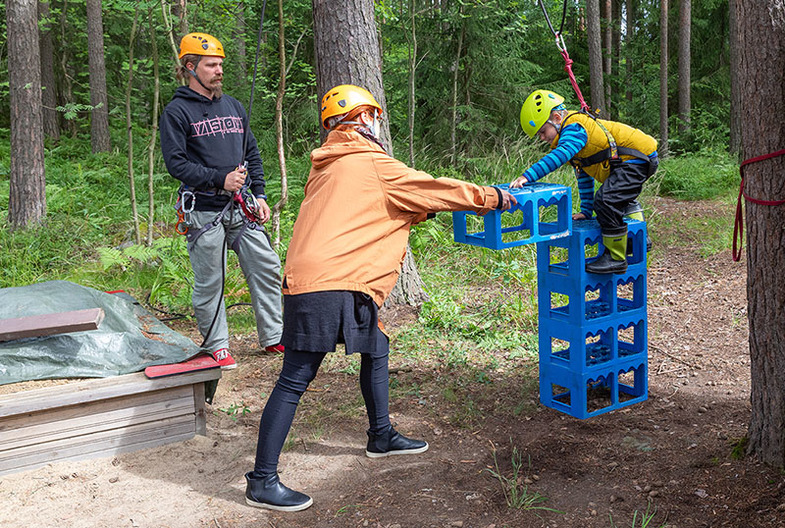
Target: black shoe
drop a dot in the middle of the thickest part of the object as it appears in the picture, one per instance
(393, 443)
(268, 492)
(606, 264)
(648, 245)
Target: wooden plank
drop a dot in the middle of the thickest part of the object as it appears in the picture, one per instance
(17, 432)
(200, 409)
(152, 433)
(95, 390)
(50, 324)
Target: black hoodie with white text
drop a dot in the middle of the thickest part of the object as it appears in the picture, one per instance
(202, 142)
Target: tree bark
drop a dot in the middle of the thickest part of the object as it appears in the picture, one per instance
(685, 28)
(27, 199)
(239, 37)
(99, 123)
(154, 126)
(593, 36)
(129, 126)
(735, 83)
(66, 92)
(455, 74)
(347, 52)
(631, 20)
(275, 220)
(49, 94)
(607, 54)
(663, 146)
(615, 65)
(412, 73)
(761, 45)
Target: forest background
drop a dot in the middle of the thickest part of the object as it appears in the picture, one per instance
(455, 74)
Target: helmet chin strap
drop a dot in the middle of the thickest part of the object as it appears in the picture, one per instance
(193, 73)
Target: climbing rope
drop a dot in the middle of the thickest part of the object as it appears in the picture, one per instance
(738, 225)
(562, 47)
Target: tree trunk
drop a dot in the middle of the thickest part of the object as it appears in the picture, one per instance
(607, 54)
(663, 147)
(594, 39)
(630, 49)
(347, 52)
(239, 38)
(281, 203)
(129, 126)
(685, 27)
(49, 94)
(99, 123)
(168, 24)
(27, 199)
(66, 92)
(735, 83)
(616, 47)
(455, 74)
(412, 72)
(180, 12)
(154, 133)
(761, 45)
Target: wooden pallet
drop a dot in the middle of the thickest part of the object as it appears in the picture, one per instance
(100, 417)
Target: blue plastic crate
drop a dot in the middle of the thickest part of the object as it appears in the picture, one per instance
(530, 229)
(620, 384)
(587, 347)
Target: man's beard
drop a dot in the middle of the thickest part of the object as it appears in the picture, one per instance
(217, 87)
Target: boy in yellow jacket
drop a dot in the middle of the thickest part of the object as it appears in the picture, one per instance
(344, 258)
(618, 156)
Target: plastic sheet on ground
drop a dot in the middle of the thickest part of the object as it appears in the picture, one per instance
(128, 339)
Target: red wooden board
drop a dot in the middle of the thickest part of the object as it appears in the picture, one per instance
(200, 362)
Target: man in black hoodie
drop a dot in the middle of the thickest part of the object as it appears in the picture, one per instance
(203, 133)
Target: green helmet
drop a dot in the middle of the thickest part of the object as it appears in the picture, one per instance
(536, 110)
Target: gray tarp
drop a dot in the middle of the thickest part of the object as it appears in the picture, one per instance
(128, 339)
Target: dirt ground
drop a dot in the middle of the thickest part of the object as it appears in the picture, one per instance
(671, 454)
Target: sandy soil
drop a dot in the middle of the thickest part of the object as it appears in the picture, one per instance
(671, 454)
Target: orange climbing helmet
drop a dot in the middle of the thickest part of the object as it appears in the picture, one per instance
(343, 99)
(200, 44)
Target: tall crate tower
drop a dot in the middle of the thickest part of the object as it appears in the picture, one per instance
(592, 328)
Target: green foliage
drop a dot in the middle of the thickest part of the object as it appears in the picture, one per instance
(703, 175)
(646, 518)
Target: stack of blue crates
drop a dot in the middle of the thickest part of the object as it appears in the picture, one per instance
(532, 198)
(593, 328)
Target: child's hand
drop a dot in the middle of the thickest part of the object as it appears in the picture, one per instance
(579, 216)
(519, 182)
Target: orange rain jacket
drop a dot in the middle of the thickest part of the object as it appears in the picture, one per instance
(353, 226)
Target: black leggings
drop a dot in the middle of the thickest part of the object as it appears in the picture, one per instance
(298, 371)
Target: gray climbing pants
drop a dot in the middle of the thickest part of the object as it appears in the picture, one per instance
(261, 267)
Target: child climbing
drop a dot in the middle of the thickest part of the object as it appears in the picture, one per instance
(618, 156)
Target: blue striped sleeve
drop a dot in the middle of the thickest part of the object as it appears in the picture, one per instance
(572, 139)
(586, 192)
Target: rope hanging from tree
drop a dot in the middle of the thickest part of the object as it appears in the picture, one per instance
(738, 225)
(562, 47)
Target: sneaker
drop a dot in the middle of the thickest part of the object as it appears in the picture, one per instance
(277, 349)
(269, 493)
(393, 443)
(224, 359)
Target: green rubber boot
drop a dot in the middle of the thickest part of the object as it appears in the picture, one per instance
(614, 258)
(635, 212)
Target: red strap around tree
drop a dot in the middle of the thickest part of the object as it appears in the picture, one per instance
(738, 225)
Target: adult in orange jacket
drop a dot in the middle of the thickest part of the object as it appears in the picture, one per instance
(343, 260)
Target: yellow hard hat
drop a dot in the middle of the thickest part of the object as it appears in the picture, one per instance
(200, 44)
(343, 99)
(536, 110)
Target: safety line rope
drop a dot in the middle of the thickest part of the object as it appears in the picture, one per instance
(738, 224)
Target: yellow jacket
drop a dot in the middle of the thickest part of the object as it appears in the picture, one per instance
(353, 226)
(625, 136)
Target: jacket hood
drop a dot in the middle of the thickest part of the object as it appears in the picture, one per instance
(340, 143)
(184, 92)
